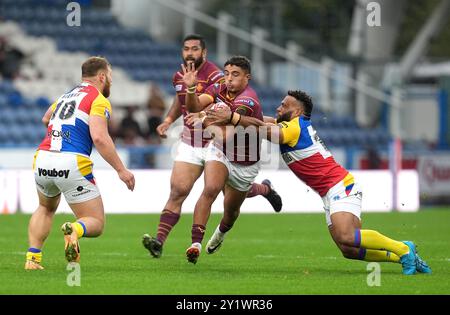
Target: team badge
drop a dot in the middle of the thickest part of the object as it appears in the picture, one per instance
(107, 114)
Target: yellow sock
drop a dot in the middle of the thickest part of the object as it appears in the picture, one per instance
(378, 255)
(370, 239)
(34, 255)
(79, 228)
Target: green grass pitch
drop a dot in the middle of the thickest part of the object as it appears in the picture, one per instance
(263, 254)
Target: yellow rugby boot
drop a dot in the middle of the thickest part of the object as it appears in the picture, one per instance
(71, 245)
(34, 259)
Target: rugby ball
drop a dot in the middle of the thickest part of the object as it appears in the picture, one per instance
(218, 106)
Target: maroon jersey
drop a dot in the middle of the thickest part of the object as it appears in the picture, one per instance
(208, 74)
(247, 146)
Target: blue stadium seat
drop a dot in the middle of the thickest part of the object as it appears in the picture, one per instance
(3, 100)
(28, 102)
(7, 87)
(11, 2)
(359, 138)
(36, 115)
(15, 99)
(325, 135)
(42, 102)
(15, 134)
(7, 116)
(22, 116)
(382, 136)
(3, 135)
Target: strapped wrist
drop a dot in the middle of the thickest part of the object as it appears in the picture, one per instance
(239, 120)
(191, 90)
(231, 117)
(236, 118)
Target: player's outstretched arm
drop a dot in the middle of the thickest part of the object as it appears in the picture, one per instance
(271, 120)
(98, 127)
(267, 128)
(174, 114)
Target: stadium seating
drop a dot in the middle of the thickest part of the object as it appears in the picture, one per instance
(57, 50)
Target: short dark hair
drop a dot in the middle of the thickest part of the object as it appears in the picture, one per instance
(195, 37)
(239, 61)
(305, 100)
(93, 65)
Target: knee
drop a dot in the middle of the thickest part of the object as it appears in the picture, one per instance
(210, 192)
(93, 226)
(348, 252)
(48, 209)
(346, 239)
(101, 228)
(179, 192)
(232, 212)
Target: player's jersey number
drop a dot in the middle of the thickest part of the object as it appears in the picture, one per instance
(65, 109)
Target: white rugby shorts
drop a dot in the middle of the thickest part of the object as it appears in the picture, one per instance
(345, 196)
(189, 154)
(241, 177)
(67, 173)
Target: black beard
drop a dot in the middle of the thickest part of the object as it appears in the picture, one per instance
(284, 117)
(197, 62)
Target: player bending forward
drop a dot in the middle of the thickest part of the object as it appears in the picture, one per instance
(309, 159)
(61, 164)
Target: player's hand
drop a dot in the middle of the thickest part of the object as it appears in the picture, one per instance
(195, 118)
(162, 128)
(189, 74)
(127, 177)
(219, 116)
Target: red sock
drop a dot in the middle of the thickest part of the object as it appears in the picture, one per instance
(167, 221)
(258, 189)
(198, 231)
(224, 227)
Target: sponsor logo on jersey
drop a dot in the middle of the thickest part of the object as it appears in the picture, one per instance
(53, 173)
(287, 158)
(58, 134)
(246, 101)
(242, 110)
(178, 87)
